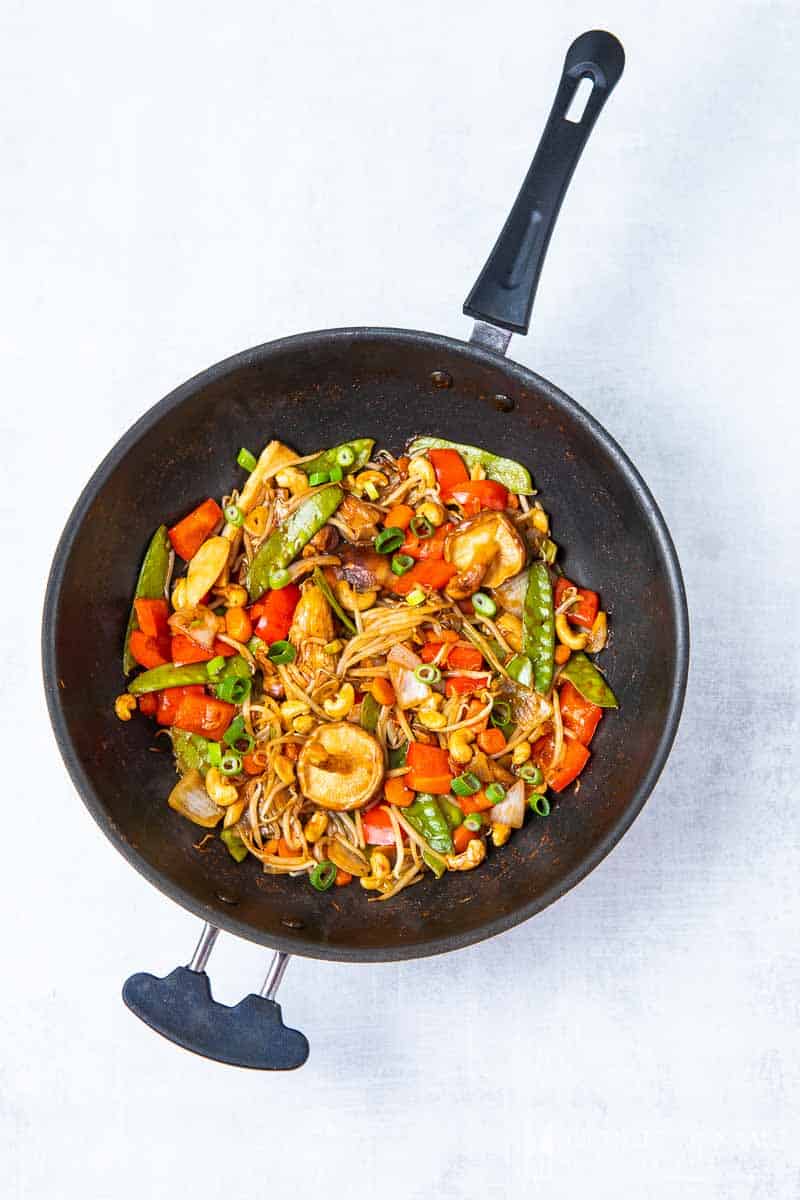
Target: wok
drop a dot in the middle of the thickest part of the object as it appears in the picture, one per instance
(313, 390)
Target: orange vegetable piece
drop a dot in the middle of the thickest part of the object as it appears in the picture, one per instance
(399, 517)
(491, 741)
(189, 534)
(397, 791)
(462, 838)
(342, 878)
(383, 691)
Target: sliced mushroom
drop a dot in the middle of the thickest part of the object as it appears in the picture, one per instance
(357, 519)
(490, 541)
(312, 619)
(340, 767)
(365, 570)
(511, 594)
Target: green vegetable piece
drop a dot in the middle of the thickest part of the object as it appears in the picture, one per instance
(496, 793)
(520, 669)
(504, 470)
(427, 818)
(539, 627)
(285, 543)
(325, 462)
(370, 711)
(191, 751)
(150, 585)
(452, 813)
(548, 550)
(234, 844)
(397, 757)
(168, 676)
(324, 587)
(281, 652)
(436, 864)
(539, 804)
(584, 675)
(323, 875)
(235, 668)
(466, 784)
(246, 460)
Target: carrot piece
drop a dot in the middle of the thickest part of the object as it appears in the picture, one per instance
(149, 651)
(399, 517)
(285, 850)
(238, 625)
(397, 791)
(271, 847)
(402, 464)
(433, 573)
(152, 616)
(462, 685)
(562, 654)
(342, 878)
(429, 769)
(464, 657)
(476, 803)
(189, 534)
(462, 838)
(255, 763)
(491, 741)
(383, 691)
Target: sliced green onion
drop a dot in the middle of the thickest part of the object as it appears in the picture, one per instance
(421, 526)
(235, 731)
(214, 754)
(233, 514)
(281, 652)
(401, 563)
(397, 756)
(389, 539)
(371, 490)
(473, 821)
(495, 792)
(521, 669)
(236, 847)
(278, 578)
(345, 456)
(466, 784)
(336, 474)
(323, 876)
(318, 477)
(215, 665)
(501, 714)
(246, 460)
(415, 597)
(428, 673)
(540, 805)
(255, 643)
(235, 689)
(548, 550)
(231, 763)
(530, 774)
(484, 604)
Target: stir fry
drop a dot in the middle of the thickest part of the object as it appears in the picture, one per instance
(370, 667)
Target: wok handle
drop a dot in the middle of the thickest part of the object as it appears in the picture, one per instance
(505, 289)
(181, 1008)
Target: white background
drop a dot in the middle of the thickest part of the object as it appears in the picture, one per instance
(184, 180)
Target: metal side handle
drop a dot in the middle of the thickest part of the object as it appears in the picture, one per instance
(249, 1034)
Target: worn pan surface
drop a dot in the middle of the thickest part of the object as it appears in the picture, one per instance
(318, 389)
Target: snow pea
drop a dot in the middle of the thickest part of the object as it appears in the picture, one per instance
(427, 818)
(436, 864)
(370, 711)
(169, 675)
(234, 844)
(504, 470)
(150, 585)
(452, 813)
(584, 675)
(328, 459)
(284, 544)
(539, 627)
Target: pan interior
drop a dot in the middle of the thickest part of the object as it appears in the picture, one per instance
(313, 391)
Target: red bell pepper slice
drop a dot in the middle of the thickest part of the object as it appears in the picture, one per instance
(463, 685)
(204, 715)
(433, 573)
(152, 616)
(148, 704)
(585, 611)
(429, 769)
(460, 656)
(479, 494)
(169, 701)
(450, 469)
(425, 548)
(573, 760)
(149, 651)
(578, 714)
(272, 614)
(184, 650)
(189, 534)
(377, 824)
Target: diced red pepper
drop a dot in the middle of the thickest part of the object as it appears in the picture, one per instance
(272, 614)
(204, 715)
(462, 685)
(377, 824)
(148, 704)
(573, 760)
(149, 651)
(184, 650)
(585, 611)
(433, 573)
(479, 494)
(429, 547)
(450, 469)
(460, 656)
(189, 534)
(152, 616)
(429, 769)
(169, 701)
(578, 714)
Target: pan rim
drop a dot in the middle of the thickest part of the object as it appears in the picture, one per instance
(297, 943)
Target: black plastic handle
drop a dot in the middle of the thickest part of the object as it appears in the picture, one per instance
(504, 291)
(181, 1008)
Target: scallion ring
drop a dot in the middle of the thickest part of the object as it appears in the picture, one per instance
(246, 460)
(484, 605)
(233, 514)
(281, 652)
(415, 597)
(473, 821)
(540, 805)
(428, 673)
(230, 763)
(389, 539)
(401, 563)
(495, 792)
(466, 784)
(531, 774)
(235, 690)
(501, 714)
(421, 526)
(323, 875)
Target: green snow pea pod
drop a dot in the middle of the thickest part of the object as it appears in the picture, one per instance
(504, 470)
(452, 813)
(150, 585)
(426, 817)
(284, 544)
(234, 844)
(338, 456)
(584, 675)
(436, 864)
(539, 627)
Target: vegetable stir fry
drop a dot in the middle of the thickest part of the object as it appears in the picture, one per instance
(370, 666)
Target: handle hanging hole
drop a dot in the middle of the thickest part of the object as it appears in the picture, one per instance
(580, 98)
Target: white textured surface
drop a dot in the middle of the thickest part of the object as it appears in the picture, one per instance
(182, 181)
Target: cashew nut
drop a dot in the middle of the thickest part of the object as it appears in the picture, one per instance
(340, 705)
(567, 636)
(421, 470)
(473, 856)
(354, 601)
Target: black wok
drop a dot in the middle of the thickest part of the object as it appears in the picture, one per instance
(313, 390)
